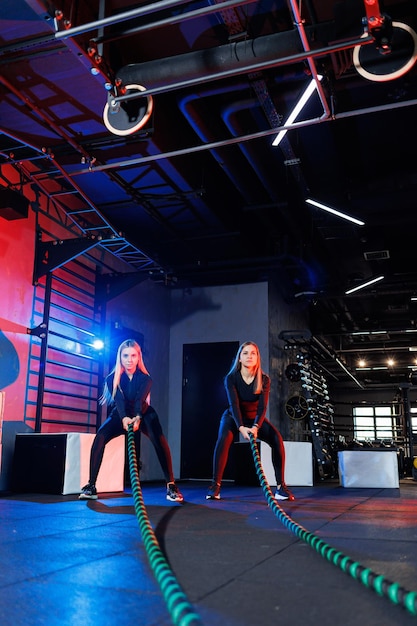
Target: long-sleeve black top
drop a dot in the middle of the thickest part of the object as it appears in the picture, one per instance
(131, 395)
(244, 404)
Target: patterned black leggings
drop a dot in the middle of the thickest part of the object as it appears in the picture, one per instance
(228, 432)
(149, 426)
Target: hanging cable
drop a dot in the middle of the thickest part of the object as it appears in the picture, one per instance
(382, 586)
(180, 609)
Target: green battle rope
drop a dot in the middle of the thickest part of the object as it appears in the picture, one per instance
(179, 608)
(382, 586)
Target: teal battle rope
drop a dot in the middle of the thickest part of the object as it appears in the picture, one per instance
(382, 586)
(179, 608)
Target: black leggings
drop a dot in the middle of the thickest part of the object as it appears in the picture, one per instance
(227, 433)
(149, 426)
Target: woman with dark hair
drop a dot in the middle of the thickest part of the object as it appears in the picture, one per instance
(127, 389)
(247, 389)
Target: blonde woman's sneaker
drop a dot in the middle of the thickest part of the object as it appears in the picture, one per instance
(173, 493)
(89, 492)
(213, 492)
(283, 493)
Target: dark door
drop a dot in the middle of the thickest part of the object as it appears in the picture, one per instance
(203, 402)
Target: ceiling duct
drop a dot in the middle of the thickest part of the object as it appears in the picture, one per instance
(237, 57)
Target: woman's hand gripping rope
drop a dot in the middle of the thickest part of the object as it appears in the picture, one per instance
(246, 432)
(135, 421)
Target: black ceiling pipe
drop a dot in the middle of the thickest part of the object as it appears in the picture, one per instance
(241, 55)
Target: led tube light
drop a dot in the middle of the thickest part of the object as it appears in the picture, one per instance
(319, 205)
(311, 87)
(369, 282)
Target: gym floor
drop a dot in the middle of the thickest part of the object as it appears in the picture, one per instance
(68, 562)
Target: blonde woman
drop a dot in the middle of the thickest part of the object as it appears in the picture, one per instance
(127, 390)
(247, 389)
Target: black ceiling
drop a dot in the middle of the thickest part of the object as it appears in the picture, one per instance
(198, 193)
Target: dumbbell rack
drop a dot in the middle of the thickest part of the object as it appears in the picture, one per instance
(310, 375)
(319, 415)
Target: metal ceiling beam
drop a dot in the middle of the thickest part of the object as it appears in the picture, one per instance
(248, 137)
(66, 33)
(70, 32)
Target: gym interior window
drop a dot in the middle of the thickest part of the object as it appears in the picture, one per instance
(374, 423)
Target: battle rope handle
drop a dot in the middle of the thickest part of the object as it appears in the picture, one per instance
(181, 611)
(382, 586)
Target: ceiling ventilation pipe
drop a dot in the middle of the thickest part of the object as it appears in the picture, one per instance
(238, 57)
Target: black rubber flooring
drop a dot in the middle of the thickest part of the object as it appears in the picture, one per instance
(69, 562)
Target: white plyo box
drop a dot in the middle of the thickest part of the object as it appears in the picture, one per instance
(298, 469)
(368, 468)
(77, 464)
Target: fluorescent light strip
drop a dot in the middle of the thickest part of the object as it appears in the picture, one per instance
(319, 205)
(384, 332)
(370, 332)
(297, 109)
(370, 282)
(370, 369)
